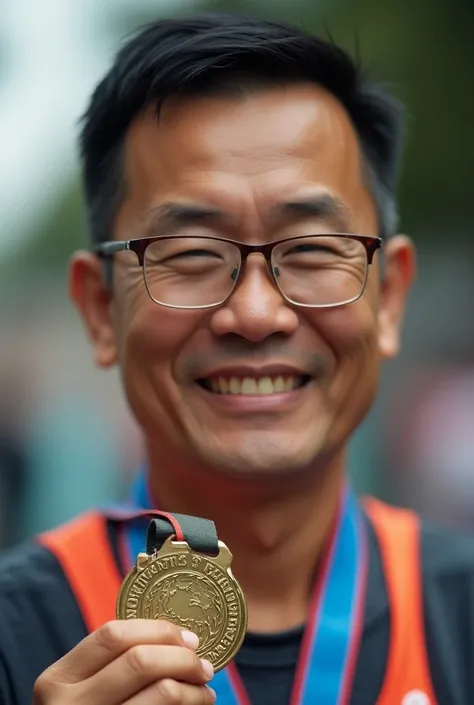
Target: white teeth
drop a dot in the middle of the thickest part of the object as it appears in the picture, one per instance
(254, 386)
(279, 384)
(234, 385)
(248, 386)
(265, 386)
(288, 384)
(223, 386)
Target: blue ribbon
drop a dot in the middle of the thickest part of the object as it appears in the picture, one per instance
(331, 635)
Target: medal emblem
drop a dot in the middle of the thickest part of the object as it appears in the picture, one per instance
(195, 591)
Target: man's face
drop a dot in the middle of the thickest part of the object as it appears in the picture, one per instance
(192, 377)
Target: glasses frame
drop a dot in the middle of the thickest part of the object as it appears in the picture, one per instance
(139, 246)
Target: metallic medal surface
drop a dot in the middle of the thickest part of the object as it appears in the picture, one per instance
(193, 590)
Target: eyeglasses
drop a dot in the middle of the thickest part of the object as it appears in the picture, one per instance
(193, 272)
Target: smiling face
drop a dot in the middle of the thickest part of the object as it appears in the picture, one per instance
(255, 385)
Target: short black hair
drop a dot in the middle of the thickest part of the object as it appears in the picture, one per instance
(226, 52)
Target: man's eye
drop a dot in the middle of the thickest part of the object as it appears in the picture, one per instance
(193, 253)
(308, 248)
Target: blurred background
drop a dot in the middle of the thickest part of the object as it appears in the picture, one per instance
(67, 441)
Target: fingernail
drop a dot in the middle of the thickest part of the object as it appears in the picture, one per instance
(212, 693)
(208, 668)
(191, 640)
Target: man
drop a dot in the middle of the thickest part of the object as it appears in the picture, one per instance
(239, 179)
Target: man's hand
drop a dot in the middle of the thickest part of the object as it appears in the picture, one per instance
(134, 662)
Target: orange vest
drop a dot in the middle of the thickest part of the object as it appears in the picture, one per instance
(82, 549)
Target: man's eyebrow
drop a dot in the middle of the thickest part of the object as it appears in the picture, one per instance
(318, 206)
(175, 215)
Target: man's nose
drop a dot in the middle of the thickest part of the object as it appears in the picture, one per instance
(256, 309)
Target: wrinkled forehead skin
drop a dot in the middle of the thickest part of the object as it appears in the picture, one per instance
(245, 155)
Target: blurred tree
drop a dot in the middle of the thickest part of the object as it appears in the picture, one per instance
(65, 230)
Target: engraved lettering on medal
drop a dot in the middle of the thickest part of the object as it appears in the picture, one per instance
(168, 562)
(132, 607)
(225, 585)
(213, 572)
(231, 629)
(141, 582)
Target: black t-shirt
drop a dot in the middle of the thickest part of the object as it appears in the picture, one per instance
(40, 621)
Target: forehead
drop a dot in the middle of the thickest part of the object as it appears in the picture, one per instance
(243, 154)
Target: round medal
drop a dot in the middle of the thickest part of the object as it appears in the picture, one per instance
(193, 590)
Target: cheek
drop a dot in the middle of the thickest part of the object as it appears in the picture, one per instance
(351, 333)
(151, 339)
(349, 330)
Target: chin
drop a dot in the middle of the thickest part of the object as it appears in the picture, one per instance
(262, 457)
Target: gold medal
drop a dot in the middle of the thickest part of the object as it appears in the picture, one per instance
(193, 590)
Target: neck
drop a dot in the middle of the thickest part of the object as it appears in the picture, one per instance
(277, 538)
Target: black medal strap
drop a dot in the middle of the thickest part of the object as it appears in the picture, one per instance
(199, 534)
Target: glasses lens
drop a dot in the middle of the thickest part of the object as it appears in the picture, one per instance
(191, 272)
(322, 270)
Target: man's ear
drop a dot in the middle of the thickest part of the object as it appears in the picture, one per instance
(398, 274)
(92, 297)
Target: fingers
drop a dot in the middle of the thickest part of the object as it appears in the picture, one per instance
(109, 642)
(140, 667)
(169, 692)
(129, 662)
